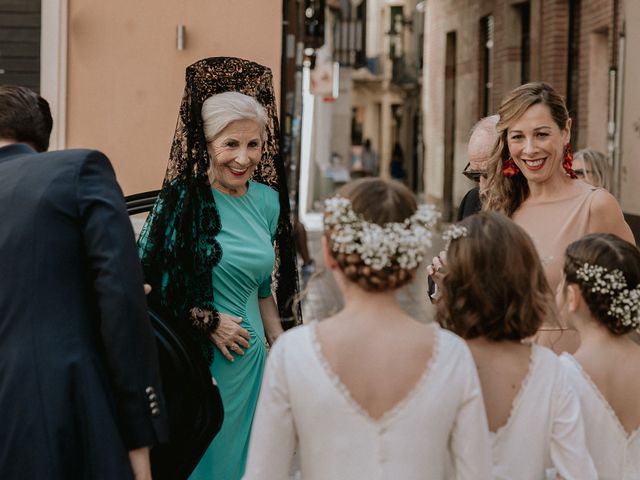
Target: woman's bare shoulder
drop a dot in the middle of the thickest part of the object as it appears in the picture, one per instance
(605, 216)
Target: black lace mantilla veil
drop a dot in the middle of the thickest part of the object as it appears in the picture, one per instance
(178, 246)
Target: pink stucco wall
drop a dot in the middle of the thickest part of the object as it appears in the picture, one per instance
(126, 77)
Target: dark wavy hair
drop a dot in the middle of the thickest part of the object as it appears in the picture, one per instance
(608, 251)
(495, 286)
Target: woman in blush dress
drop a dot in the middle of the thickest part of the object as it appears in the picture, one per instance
(370, 392)
(600, 297)
(494, 295)
(532, 181)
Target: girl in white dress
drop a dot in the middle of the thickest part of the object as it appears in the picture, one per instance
(495, 295)
(371, 393)
(600, 297)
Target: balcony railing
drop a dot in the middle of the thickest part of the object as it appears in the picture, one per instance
(405, 72)
(349, 36)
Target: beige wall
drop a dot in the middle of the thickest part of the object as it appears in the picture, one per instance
(442, 17)
(629, 192)
(126, 77)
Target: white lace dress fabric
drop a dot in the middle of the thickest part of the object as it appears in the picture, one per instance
(615, 453)
(437, 432)
(544, 434)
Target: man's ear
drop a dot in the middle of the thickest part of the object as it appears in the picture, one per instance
(328, 257)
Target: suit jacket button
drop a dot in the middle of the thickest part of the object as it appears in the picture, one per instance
(155, 412)
(152, 396)
(149, 390)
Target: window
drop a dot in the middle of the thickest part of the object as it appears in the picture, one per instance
(349, 35)
(486, 65)
(573, 67)
(20, 43)
(524, 9)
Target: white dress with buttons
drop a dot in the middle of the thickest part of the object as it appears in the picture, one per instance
(545, 431)
(437, 432)
(615, 452)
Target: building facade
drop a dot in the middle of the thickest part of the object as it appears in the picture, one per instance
(476, 51)
(114, 71)
(375, 47)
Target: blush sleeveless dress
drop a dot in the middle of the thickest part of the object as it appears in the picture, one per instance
(553, 225)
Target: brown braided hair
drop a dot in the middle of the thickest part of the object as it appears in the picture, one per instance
(378, 201)
(608, 251)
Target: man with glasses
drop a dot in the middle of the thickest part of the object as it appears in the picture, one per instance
(481, 142)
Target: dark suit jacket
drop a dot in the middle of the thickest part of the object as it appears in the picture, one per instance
(470, 204)
(79, 383)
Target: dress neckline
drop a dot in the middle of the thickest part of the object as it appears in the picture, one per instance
(603, 400)
(515, 405)
(578, 195)
(228, 195)
(388, 416)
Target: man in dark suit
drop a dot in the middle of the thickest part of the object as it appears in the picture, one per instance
(483, 138)
(80, 394)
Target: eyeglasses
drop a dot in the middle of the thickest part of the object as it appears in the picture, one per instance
(473, 175)
(580, 172)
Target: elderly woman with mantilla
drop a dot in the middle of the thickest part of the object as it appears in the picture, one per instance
(208, 246)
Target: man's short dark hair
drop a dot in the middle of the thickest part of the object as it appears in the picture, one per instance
(25, 117)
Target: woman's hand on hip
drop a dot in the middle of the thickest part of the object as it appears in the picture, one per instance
(230, 336)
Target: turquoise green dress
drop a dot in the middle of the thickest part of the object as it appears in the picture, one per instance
(242, 276)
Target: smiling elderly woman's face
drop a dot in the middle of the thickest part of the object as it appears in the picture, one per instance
(235, 152)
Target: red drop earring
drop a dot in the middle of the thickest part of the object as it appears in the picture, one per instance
(568, 161)
(509, 168)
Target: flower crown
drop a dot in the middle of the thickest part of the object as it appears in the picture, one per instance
(625, 302)
(404, 243)
(454, 232)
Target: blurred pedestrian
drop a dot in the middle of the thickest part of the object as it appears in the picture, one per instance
(208, 246)
(396, 166)
(600, 297)
(369, 159)
(593, 167)
(371, 392)
(495, 295)
(80, 395)
(481, 143)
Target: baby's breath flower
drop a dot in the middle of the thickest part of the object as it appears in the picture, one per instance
(454, 232)
(380, 246)
(625, 302)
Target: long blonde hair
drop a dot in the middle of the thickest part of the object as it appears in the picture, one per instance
(506, 194)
